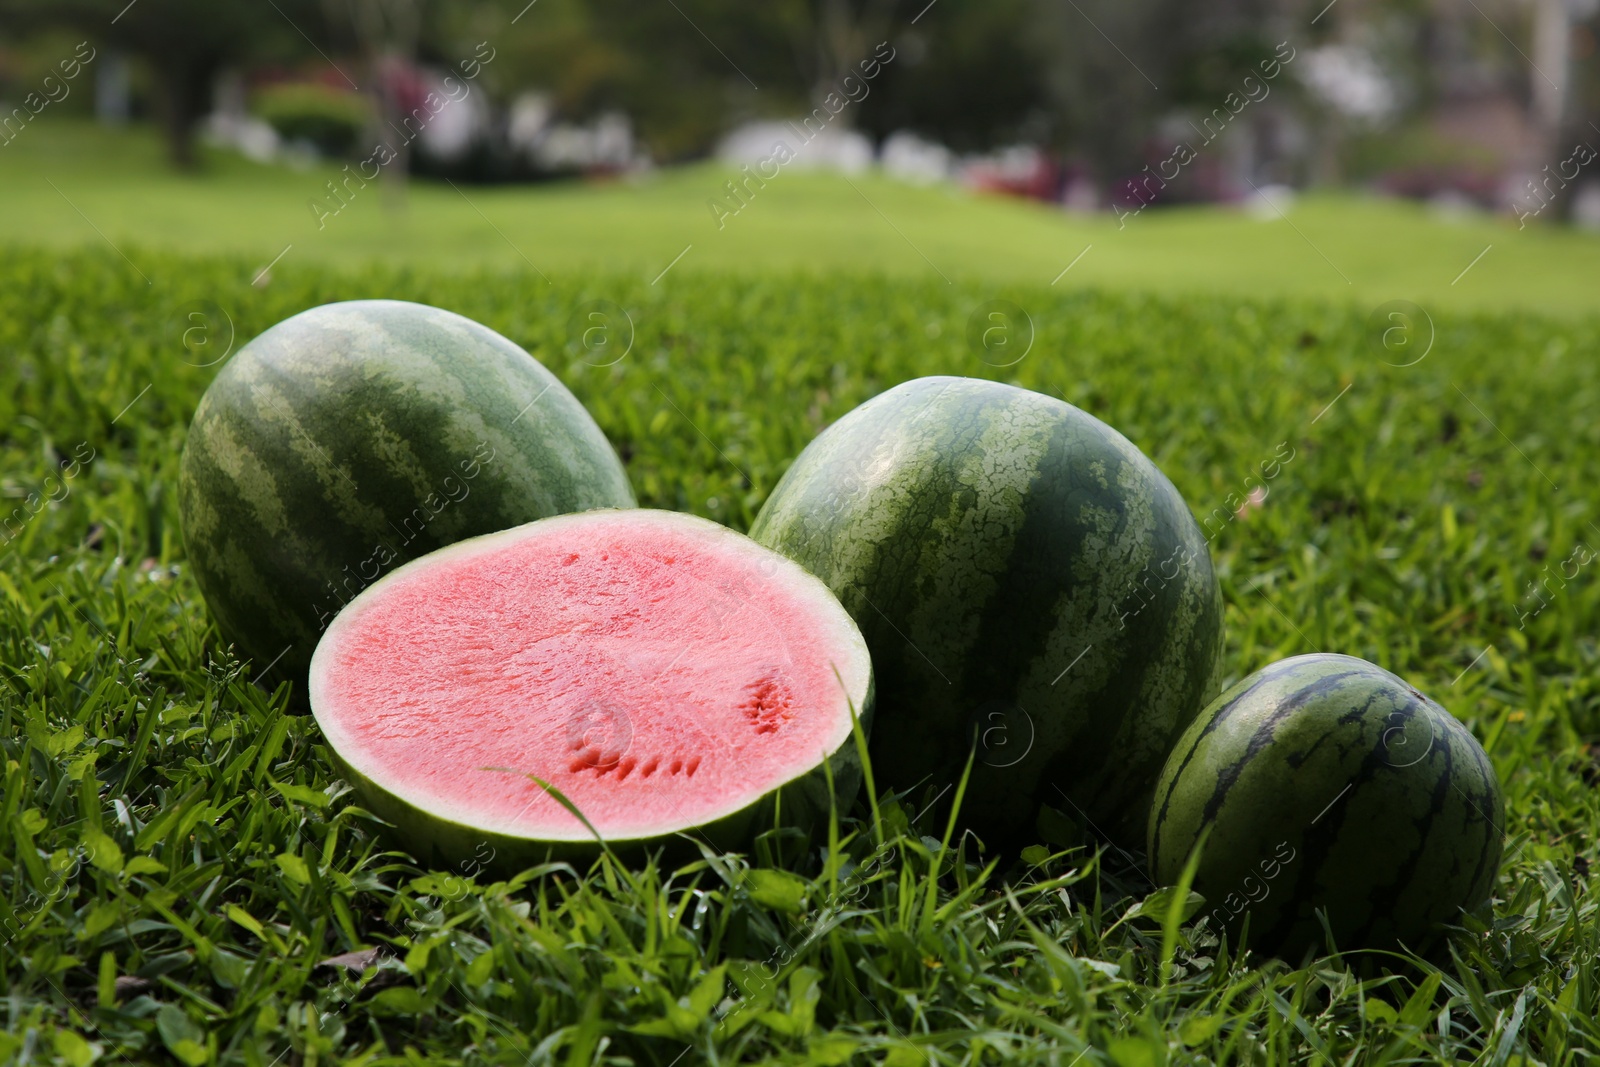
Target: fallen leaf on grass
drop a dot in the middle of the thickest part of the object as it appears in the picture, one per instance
(127, 985)
(356, 961)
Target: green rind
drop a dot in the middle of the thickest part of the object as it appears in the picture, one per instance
(1389, 805)
(353, 437)
(442, 844)
(1016, 565)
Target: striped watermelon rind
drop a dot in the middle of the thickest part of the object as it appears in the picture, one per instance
(1324, 781)
(355, 436)
(1027, 580)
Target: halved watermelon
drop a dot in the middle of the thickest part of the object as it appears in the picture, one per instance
(664, 673)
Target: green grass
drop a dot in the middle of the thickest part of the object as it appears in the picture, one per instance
(181, 856)
(68, 185)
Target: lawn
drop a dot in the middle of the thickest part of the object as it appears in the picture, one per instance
(69, 184)
(187, 879)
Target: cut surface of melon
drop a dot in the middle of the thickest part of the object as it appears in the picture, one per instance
(658, 669)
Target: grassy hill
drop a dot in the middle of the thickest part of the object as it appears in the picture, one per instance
(187, 879)
(70, 185)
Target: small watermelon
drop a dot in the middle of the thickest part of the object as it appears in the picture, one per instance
(1325, 782)
(1028, 583)
(353, 437)
(661, 672)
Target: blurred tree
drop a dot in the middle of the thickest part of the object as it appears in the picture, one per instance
(1117, 66)
(969, 74)
(588, 61)
(387, 33)
(830, 37)
(690, 68)
(687, 69)
(185, 43)
(555, 47)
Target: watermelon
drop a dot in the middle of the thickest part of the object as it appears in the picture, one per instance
(1028, 582)
(1324, 782)
(353, 437)
(660, 672)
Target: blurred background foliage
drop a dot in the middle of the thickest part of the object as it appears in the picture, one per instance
(1464, 99)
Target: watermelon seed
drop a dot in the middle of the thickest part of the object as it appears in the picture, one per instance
(594, 759)
(769, 705)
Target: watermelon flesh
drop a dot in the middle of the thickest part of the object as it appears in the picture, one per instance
(661, 671)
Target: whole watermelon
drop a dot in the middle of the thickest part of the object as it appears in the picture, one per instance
(353, 437)
(1028, 583)
(1326, 782)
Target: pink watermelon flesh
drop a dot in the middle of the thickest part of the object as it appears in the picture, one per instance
(660, 670)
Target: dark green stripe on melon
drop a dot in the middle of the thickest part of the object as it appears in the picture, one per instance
(1026, 579)
(354, 437)
(1388, 805)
